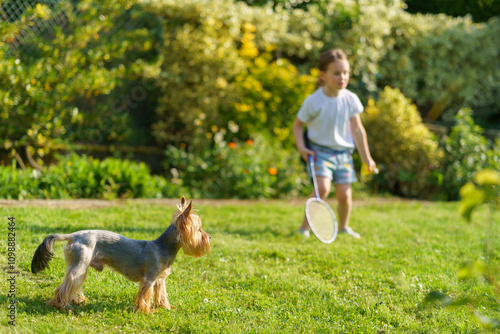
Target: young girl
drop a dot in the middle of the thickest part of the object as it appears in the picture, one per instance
(334, 130)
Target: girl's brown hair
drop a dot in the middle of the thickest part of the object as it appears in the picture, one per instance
(328, 57)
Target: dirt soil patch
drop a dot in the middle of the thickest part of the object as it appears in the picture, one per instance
(99, 203)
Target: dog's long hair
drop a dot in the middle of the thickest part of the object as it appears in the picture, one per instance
(44, 252)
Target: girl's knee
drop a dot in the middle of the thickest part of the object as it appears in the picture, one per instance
(324, 186)
(343, 198)
(324, 191)
(343, 194)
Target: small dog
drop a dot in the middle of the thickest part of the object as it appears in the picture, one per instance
(147, 262)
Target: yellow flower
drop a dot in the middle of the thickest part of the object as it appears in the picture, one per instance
(221, 83)
(249, 27)
(243, 107)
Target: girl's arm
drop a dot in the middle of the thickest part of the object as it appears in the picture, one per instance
(298, 134)
(361, 141)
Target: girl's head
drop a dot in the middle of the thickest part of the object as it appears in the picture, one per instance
(334, 71)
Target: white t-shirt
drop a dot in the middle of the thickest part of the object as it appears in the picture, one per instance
(328, 118)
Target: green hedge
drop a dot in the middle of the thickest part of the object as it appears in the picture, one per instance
(444, 64)
(85, 177)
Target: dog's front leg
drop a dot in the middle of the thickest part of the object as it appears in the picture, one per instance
(161, 297)
(160, 291)
(142, 301)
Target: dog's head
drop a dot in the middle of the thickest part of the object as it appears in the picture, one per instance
(194, 241)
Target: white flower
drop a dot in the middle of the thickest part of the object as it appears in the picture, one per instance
(233, 127)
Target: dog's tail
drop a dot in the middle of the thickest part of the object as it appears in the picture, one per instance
(43, 253)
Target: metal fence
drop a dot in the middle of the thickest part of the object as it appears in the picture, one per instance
(12, 11)
(62, 13)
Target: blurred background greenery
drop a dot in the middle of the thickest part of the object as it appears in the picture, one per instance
(149, 98)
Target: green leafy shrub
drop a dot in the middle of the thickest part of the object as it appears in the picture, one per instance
(16, 183)
(426, 52)
(249, 169)
(84, 177)
(405, 150)
(199, 59)
(203, 73)
(467, 152)
(62, 85)
(270, 91)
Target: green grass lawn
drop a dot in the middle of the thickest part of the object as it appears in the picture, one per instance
(260, 277)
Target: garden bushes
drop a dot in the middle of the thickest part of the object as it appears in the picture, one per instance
(255, 168)
(270, 93)
(467, 152)
(61, 85)
(199, 60)
(444, 64)
(84, 177)
(167, 73)
(403, 147)
(412, 161)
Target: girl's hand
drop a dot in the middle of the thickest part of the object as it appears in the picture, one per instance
(305, 153)
(372, 166)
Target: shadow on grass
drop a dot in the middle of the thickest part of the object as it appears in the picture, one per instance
(38, 306)
(260, 233)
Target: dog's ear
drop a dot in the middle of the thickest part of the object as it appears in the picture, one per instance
(183, 201)
(187, 211)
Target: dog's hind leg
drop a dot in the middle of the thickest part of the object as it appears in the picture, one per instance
(78, 257)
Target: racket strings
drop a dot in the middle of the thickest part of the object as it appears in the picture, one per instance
(321, 220)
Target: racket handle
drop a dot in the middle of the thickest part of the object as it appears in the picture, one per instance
(313, 174)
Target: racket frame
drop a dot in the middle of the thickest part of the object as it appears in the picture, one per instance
(318, 199)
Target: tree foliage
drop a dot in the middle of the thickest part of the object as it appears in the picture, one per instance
(62, 85)
(480, 11)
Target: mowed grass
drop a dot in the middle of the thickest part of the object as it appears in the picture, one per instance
(261, 277)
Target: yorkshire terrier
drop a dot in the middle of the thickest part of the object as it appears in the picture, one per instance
(147, 262)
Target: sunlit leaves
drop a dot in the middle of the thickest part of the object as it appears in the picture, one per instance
(472, 197)
(401, 144)
(425, 52)
(468, 152)
(485, 190)
(77, 64)
(471, 270)
(487, 178)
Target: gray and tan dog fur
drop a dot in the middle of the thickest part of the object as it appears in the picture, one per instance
(147, 262)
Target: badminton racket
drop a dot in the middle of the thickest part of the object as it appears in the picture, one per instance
(319, 214)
